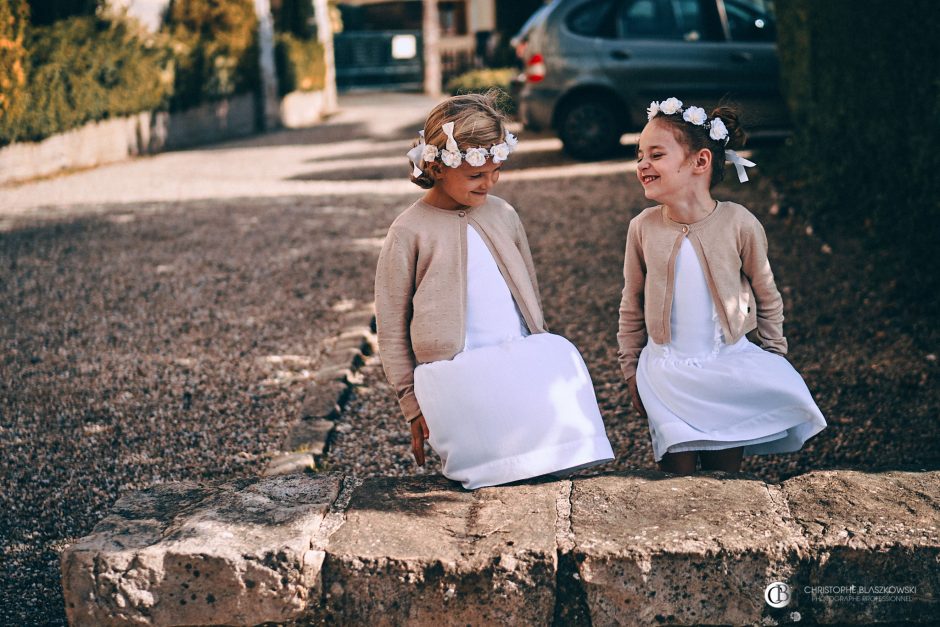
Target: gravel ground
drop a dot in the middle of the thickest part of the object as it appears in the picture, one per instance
(870, 364)
(134, 351)
(134, 346)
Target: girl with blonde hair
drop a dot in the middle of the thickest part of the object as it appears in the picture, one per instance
(459, 317)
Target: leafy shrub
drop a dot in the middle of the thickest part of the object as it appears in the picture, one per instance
(14, 16)
(482, 81)
(479, 81)
(215, 50)
(83, 69)
(866, 106)
(300, 64)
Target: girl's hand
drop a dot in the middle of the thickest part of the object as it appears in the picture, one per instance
(635, 396)
(419, 433)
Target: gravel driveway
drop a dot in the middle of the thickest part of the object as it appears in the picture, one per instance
(137, 333)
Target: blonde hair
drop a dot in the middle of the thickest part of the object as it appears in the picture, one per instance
(477, 122)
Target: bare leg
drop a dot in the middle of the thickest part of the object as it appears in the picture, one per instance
(728, 460)
(678, 463)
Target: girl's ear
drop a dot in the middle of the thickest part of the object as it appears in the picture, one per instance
(437, 171)
(703, 161)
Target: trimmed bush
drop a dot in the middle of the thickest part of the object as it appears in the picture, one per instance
(300, 64)
(482, 81)
(863, 91)
(14, 17)
(81, 70)
(215, 50)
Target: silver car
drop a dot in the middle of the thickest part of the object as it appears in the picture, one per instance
(593, 66)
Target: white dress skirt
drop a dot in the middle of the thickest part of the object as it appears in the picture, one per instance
(511, 405)
(703, 394)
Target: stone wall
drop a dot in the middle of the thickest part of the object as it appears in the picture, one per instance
(619, 549)
(108, 141)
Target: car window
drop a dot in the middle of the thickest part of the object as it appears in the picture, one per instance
(689, 20)
(647, 19)
(593, 19)
(535, 19)
(751, 20)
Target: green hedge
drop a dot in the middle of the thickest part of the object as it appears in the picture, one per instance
(862, 85)
(14, 17)
(215, 50)
(83, 69)
(300, 64)
(482, 81)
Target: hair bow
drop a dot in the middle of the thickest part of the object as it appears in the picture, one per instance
(415, 155)
(739, 164)
(451, 144)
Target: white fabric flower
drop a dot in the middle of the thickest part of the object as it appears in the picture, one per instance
(695, 115)
(670, 106)
(429, 153)
(652, 110)
(511, 141)
(717, 130)
(476, 156)
(500, 152)
(451, 158)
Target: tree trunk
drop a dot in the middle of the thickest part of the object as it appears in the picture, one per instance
(432, 49)
(321, 12)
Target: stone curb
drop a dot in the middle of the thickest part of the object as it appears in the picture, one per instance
(307, 440)
(628, 548)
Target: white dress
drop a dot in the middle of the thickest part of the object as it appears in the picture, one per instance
(703, 394)
(511, 405)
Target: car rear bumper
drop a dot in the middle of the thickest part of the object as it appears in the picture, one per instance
(536, 106)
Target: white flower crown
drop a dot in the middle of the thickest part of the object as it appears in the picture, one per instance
(694, 115)
(697, 116)
(451, 155)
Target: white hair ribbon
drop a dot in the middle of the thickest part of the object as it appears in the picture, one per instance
(739, 164)
(415, 155)
(451, 145)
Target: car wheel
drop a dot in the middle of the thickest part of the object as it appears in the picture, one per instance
(589, 130)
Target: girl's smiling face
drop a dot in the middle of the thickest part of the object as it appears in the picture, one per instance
(664, 166)
(463, 186)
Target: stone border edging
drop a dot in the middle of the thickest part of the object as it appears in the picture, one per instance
(308, 439)
(628, 548)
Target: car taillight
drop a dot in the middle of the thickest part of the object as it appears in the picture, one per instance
(535, 68)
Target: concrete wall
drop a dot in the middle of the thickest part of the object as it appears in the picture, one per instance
(622, 549)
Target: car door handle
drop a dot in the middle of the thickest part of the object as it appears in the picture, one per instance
(742, 57)
(620, 55)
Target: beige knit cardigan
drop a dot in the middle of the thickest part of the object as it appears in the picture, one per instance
(732, 248)
(421, 285)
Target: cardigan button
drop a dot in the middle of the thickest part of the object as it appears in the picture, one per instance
(461, 213)
(685, 228)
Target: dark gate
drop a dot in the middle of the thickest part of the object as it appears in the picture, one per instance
(379, 60)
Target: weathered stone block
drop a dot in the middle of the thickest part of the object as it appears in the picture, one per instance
(290, 463)
(363, 317)
(188, 554)
(422, 551)
(309, 436)
(876, 532)
(339, 357)
(324, 399)
(332, 374)
(679, 550)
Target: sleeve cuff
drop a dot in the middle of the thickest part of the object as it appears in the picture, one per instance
(409, 406)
